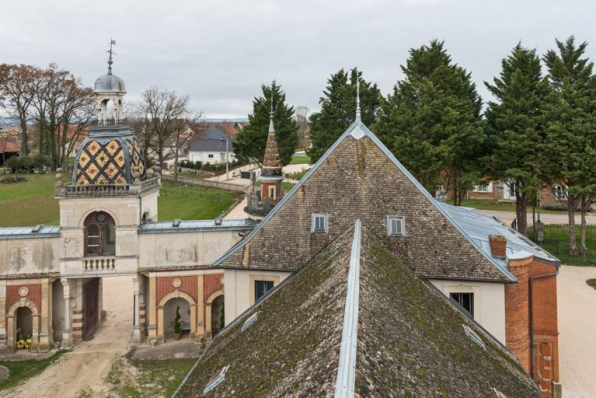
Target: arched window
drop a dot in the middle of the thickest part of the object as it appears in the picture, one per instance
(100, 235)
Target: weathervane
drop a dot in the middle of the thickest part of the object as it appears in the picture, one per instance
(357, 98)
(111, 52)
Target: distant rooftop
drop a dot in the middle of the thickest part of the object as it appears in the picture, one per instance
(27, 232)
(196, 225)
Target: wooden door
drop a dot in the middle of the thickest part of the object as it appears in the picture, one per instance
(90, 307)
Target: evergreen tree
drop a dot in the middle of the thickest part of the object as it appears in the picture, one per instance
(570, 127)
(250, 143)
(515, 126)
(432, 123)
(338, 109)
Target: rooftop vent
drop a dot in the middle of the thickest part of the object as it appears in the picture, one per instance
(37, 228)
(475, 338)
(176, 223)
(249, 321)
(218, 221)
(217, 380)
(498, 393)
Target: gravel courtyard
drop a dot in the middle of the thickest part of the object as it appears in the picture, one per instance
(577, 331)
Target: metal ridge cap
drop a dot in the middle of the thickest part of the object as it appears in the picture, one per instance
(346, 372)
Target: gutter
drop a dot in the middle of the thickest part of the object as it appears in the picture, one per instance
(558, 267)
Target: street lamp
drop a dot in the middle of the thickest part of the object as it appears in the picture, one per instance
(227, 169)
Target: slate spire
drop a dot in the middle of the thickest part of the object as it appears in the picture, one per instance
(271, 163)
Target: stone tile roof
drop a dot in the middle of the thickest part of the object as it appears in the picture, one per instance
(271, 163)
(359, 178)
(405, 338)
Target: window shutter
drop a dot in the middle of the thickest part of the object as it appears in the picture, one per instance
(313, 222)
(489, 189)
(389, 222)
(326, 218)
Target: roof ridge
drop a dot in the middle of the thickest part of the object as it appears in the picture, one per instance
(346, 372)
(358, 130)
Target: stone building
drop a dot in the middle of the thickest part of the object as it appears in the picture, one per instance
(501, 284)
(51, 277)
(505, 282)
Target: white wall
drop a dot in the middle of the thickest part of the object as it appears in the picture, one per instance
(489, 303)
(218, 157)
(238, 293)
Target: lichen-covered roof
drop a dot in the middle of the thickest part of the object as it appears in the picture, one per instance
(410, 339)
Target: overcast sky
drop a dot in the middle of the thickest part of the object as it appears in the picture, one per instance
(220, 52)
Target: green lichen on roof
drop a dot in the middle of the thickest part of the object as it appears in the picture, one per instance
(293, 347)
(411, 340)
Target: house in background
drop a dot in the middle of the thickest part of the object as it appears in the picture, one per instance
(9, 147)
(504, 191)
(211, 145)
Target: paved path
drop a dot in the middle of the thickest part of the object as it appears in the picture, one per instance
(88, 365)
(577, 331)
(508, 216)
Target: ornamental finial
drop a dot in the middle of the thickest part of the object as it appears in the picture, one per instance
(357, 97)
(111, 52)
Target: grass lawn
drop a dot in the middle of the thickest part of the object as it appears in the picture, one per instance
(556, 242)
(151, 379)
(32, 202)
(300, 160)
(29, 203)
(298, 175)
(591, 282)
(19, 371)
(199, 174)
(193, 202)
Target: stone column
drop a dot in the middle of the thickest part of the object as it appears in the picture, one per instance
(45, 328)
(67, 333)
(151, 314)
(136, 333)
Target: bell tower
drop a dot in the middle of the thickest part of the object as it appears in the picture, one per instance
(110, 91)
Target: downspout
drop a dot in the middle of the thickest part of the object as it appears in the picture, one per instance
(532, 315)
(140, 210)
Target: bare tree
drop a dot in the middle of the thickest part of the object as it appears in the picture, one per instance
(184, 131)
(17, 90)
(160, 112)
(61, 99)
(301, 116)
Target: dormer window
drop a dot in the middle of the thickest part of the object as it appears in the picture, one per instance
(396, 226)
(100, 235)
(320, 223)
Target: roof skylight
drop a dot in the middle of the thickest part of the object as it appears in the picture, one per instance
(249, 321)
(475, 338)
(217, 380)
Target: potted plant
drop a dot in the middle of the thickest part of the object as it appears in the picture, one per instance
(177, 325)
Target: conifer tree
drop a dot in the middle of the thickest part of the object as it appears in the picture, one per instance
(338, 109)
(431, 122)
(515, 126)
(570, 128)
(251, 141)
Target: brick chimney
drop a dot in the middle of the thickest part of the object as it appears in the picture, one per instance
(498, 246)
